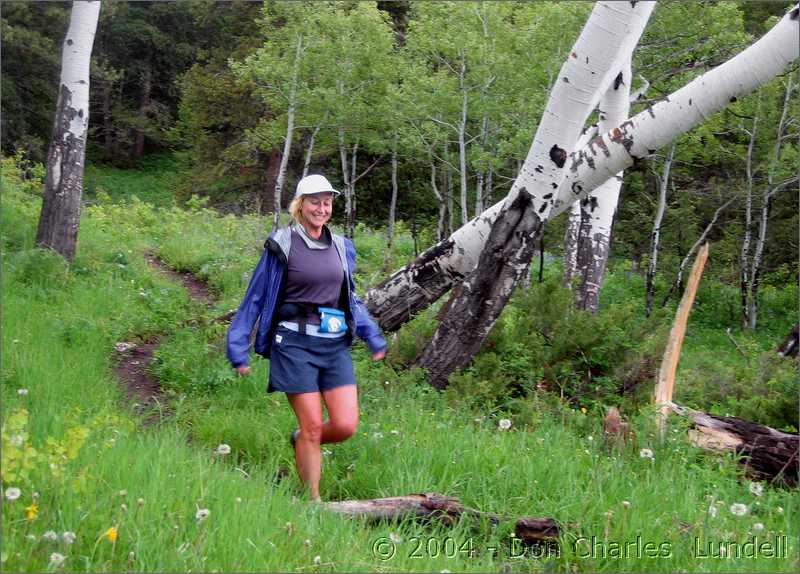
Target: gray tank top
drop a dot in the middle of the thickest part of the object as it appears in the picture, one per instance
(314, 275)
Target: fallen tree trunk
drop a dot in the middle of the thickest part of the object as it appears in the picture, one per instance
(766, 453)
(445, 508)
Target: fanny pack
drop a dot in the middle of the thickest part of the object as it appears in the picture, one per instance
(330, 320)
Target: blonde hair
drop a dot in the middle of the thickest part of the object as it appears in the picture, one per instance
(296, 209)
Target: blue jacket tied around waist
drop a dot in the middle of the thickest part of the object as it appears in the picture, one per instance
(265, 291)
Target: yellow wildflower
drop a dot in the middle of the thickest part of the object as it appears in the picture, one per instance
(31, 511)
(583, 410)
(111, 534)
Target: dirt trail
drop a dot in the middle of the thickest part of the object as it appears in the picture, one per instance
(141, 388)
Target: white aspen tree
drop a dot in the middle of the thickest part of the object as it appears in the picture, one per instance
(744, 256)
(424, 280)
(392, 205)
(291, 110)
(655, 234)
(582, 79)
(598, 209)
(479, 176)
(766, 200)
(572, 235)
(59, 219)
(504, 261)
(437, 194)
(462, 144)
(311, 140)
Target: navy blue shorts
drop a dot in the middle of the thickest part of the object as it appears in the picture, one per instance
(308, 364)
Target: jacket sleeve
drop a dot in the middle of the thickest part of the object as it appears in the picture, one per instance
(366, 327)
(247, 315)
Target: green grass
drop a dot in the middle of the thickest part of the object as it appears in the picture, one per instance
(93, 456)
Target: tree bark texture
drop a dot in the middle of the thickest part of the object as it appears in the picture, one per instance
(484, 293)
(392, 208)
(766, 453)
(744, 256)
(598, 209)
(59, 219)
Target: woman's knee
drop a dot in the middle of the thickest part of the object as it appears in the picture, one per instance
(311, 431)
(345, 428)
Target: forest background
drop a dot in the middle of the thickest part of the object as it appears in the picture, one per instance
(204, 109)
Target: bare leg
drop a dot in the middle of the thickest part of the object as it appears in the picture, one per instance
(342, 404)
(308, 410)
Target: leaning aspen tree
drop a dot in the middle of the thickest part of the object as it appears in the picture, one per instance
(655, 234)
(505, 259)
(583, 78)
(598, 209)
(59, 219)
(424, 280)
(766, 201)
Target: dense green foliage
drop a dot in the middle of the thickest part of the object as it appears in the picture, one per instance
(85, 464)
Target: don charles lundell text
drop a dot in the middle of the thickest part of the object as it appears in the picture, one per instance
(754, 547)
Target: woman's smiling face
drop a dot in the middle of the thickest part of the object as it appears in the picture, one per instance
(316, 210)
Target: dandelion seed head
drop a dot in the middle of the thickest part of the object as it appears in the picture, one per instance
(123, 507)
(504, 424)
(317, 559)
(756, 488)
(13, 493)
(22, 392)
(646, 453)
(780, 510)
(758, 527)
(140, 502)
(68, 537)
(712, 511)
(56, 560)
(626, 503)
(50, 536)
(202, 514)
(307, 542)
(223, 449)
(738, 509)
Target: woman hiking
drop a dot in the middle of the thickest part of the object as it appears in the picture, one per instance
(303, 291)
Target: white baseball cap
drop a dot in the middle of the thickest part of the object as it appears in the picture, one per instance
(312, 184)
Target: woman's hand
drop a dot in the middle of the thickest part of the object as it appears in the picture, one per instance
(378, 355)
(243, 370)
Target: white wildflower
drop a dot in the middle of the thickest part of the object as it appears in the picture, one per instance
(13, 493)
(56, 560)
(123, 507)
(758, 527)
(223, 449)
(504, 424)
(646, 453)
(626, 503)
(712, 511)
(307, 542)
(131, 556)
(738, 509)
(377, 435)
(590, 438)
(238, 500)
(317, 559)
(202, 514)
(68, 537)
(22, 392)
(780, 510)
(140, 502)
(50, 536)
(756, 488)
(395, 432)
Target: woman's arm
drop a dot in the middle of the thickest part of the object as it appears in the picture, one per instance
(366, 327)
(247, 315)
